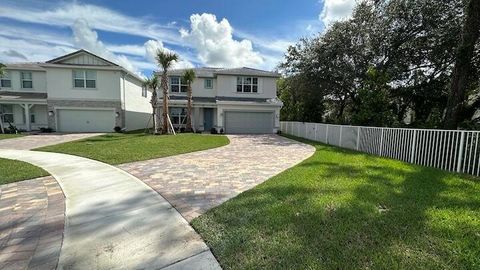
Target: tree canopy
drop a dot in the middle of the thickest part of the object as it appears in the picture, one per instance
(390, 64)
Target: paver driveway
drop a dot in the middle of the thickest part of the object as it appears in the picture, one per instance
(40, 140)
(196, 182)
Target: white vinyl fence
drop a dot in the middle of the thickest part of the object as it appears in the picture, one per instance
(452, 150)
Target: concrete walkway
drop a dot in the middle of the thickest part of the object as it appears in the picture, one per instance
(115, 221)
(34, 141)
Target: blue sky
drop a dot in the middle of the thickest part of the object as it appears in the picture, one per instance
(204, 33)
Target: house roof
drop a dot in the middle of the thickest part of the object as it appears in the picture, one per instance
(206, 72)
(7, 95)
(220, 98)
(59, 60)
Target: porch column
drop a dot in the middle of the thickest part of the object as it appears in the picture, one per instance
(26, 108)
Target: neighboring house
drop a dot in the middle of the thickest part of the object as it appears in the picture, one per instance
(77, 92)
(238, 100)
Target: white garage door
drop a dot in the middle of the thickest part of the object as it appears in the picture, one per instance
(248, 122)
(85, 120)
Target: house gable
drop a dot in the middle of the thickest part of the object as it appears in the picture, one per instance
(82, 58)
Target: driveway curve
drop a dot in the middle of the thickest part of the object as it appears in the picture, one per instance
(115, 221)
(198, 181)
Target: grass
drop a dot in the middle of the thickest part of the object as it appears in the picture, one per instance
(14, 170)
(341, 209)
(122, 148)
(9, 136)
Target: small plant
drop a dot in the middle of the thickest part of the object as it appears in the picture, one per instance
(213, 131)
(221, 131)
(46, 130)
(117, 129)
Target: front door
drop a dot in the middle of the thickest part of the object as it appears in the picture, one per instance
(207, 119)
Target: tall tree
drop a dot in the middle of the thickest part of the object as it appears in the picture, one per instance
(463, 65)
(152, 84)
(189, 77)
(165, 60)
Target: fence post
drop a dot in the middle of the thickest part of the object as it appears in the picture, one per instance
(381, 144)
(460, 152)
(358, 138)
(315, 128)
(414, 144)
(340, 141)
(326, 135)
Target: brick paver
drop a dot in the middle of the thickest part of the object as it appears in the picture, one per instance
(32, 223)
(196, 182)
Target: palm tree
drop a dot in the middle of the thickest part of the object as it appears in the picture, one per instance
(165, 60)
(189, 77)
(152, 83)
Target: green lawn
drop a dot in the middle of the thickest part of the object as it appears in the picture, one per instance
(122, 148)
(9, 136)
(346, 210)
(14, 170)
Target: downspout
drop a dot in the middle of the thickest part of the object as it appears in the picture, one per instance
(124, 106)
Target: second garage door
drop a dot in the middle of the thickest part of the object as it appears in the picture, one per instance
(248, 122)
(85, 120)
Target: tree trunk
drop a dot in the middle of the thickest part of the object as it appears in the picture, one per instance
(463, 65)
(189, 109)
(165, 103)
(153, 101)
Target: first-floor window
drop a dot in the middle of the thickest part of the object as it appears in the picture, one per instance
(5, 80)
(6, 111)
(84, 79)
(247, 85)
(178, 116)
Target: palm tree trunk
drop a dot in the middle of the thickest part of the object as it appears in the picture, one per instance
(165, 103)
(154, 110)
(189, 109)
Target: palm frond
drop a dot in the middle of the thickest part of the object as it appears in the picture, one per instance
(189, 75)
(165, 58)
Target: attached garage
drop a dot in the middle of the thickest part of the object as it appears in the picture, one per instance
(245, 122)
(84, 120)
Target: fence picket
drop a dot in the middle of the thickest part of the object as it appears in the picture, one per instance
(445, 149)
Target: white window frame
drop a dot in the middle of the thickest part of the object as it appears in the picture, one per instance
(23, 79)
(243, 80)
(84, 78)
(205, 83)
(181, 85)
(182, 117)
(144, 91)
(5, 77)
(3, 113)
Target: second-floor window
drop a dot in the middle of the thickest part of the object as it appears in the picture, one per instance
(84, 79)
(178, 85)
(247, 85)
(5, 80)
(208, 84)
(26, 78)
(144, 91)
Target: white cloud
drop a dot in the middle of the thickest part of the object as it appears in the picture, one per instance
(215, 45)
(98, 18)
(334, 10)
(86, 38)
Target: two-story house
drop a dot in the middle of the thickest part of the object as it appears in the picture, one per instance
(77, 92)
(237, 100)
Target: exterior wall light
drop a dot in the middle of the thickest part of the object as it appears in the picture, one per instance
(51, 113)
(117, 114)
